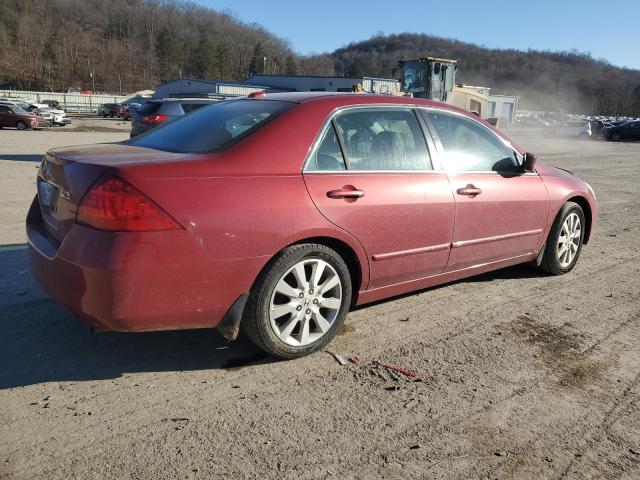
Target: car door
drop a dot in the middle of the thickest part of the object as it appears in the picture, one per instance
(371, 175)
(5, 114)
(500, 210)
(633, 131)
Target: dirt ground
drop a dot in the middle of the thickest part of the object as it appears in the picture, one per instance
(520, 375)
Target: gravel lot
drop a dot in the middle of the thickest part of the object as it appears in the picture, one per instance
(521, 375)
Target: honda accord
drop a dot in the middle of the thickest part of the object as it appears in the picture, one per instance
(276, 214)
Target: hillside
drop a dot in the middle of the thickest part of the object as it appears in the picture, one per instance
(129, 44)
(544, 80)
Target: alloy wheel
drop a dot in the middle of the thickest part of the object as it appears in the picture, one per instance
(305, 302)
(569, 239)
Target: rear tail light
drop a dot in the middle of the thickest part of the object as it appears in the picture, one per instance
(155, 119)
(113, 204)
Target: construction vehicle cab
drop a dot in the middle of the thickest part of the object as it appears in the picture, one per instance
(435, 79)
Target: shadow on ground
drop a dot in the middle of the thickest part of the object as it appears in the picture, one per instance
(40, 341)
(20, 158)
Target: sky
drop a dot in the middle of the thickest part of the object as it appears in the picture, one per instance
(607, 30)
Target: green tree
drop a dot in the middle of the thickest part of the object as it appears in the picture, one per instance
(256, 65)
(166, 54)
(204, 59)
(223, 62)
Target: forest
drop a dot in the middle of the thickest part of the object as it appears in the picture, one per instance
(121, 46)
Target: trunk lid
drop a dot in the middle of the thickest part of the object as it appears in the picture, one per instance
(66, 174)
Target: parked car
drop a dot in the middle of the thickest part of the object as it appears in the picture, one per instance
(14, 116)
(53, 104)
(56, 117)
(573, 128)
(156, 112)
(108, 110)
(278, 213)
(624, 131)
(125, 110)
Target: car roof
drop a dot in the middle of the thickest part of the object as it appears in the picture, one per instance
(176, 99)
(352, 98)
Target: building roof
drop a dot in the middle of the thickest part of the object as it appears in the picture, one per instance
(299, 97)
(334, 77)
(211, 82)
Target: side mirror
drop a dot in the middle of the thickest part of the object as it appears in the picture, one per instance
(529, 162)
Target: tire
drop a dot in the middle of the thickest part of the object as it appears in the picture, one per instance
(21, 125)
(276, 321)
(616, 137)
(556, 259)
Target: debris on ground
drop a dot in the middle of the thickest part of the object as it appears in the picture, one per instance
(394, 368)
(410, 403)
(501, 453)
(355, 360)
(339, 358)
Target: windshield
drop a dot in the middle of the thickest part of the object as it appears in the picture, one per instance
(212, 128)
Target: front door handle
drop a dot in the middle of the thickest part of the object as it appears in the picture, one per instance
(470, 190)
(348, 191)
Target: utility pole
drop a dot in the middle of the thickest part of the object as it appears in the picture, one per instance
(93, 80)
(264, 65)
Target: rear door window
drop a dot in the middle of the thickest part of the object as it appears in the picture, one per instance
(212, 128)
(383, 139)
(328, 155)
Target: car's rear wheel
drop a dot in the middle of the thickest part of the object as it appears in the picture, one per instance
(21, 125)
(565, 240)
(616, 136)
(299, 302)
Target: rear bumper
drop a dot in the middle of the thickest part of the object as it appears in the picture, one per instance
(136, 281)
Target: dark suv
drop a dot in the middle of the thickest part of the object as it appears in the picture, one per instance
(625, 131)
(155, 112)
(108, 110)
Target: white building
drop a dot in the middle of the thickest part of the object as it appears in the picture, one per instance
(502, 107)
(191, 87)
(312, 83)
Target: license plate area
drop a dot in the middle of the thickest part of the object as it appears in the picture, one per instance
(48, 197)
(46, 193)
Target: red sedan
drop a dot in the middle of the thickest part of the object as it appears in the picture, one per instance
(278, 213)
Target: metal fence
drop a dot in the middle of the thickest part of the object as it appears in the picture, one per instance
(71, 102)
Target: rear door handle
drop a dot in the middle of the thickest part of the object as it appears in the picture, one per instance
(346, 192)
(470, 190)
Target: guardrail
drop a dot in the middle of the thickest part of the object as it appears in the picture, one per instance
(71, 102)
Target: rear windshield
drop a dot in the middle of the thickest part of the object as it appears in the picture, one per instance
(212, 128)
(149, 107)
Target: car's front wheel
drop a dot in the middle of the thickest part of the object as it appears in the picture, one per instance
(299, 302)
(616, 136)
(21, 125)
(565, 240)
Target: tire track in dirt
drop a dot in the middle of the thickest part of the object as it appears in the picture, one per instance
(149, 419)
